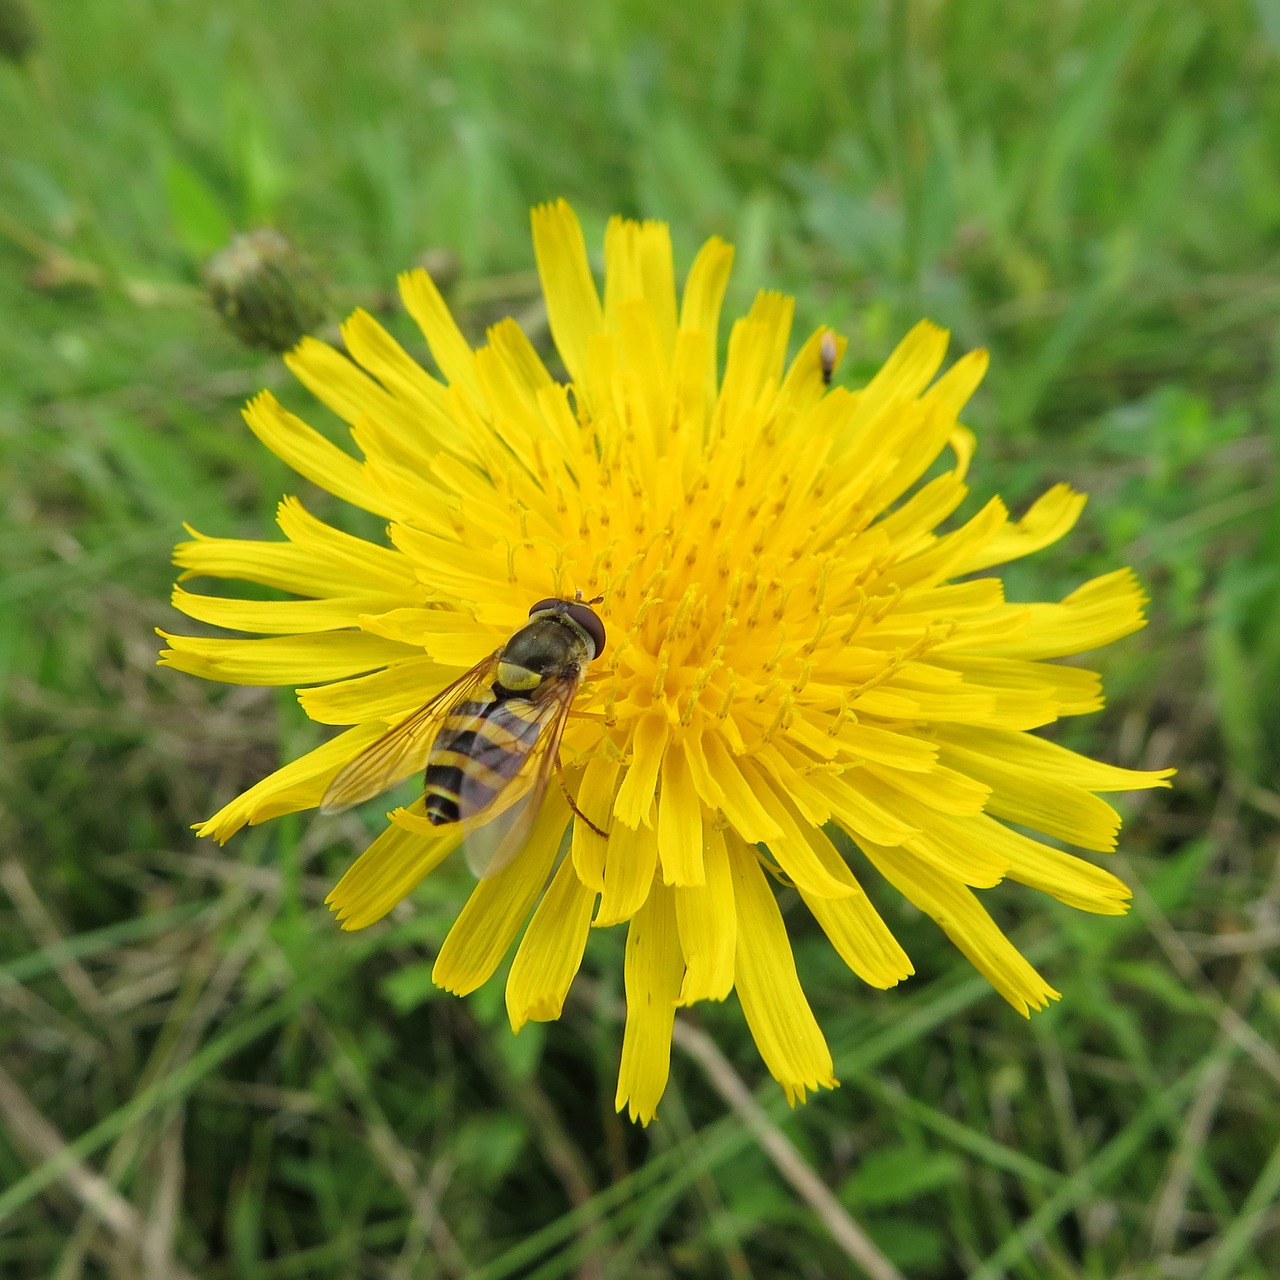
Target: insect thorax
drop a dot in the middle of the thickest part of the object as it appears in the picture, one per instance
(548, 646)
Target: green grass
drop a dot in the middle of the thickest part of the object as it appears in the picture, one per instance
(1088, 189)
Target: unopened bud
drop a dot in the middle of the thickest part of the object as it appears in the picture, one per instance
(266, 292)
(19, 34)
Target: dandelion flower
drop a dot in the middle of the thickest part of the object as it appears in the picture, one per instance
(793, 650)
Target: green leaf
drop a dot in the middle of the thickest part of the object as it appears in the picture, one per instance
(488, 1146)
(410, 987)
(918, 1248)
(895, 1175)
(1173, 885)
(1232, 677)
(521, 1052)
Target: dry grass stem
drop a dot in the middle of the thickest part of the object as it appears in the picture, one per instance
(32, 1131)
(852, 1239)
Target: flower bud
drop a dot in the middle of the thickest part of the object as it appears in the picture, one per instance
(266, 292)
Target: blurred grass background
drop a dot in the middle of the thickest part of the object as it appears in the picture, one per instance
(1090, 190)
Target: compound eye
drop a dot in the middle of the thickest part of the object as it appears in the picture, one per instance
(543, 605)
(590, 622)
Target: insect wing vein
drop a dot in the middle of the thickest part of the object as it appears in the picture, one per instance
(404, 748)
(491, 848)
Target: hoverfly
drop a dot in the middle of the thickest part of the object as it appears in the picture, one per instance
(490, 739)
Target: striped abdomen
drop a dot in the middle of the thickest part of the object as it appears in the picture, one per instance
(477, 752)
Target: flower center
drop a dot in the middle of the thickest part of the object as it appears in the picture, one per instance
(723, 609)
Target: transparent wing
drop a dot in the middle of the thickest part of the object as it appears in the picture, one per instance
(404, 748)
(492, 847)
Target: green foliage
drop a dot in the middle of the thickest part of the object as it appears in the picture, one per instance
(1088, 189)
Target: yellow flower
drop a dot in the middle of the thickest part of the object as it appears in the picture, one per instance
(793, 651)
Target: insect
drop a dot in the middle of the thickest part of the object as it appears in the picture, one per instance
(490, 739)
(828, 354)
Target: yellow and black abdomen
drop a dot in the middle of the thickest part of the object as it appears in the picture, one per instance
(478, 751)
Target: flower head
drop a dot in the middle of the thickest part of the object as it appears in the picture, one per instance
(793, 651)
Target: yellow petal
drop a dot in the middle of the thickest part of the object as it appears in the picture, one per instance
(551, 950)
(451, 351)
(911, 366)
(520, 356)
(595, 799)
(386, 873)
(888, 746)
(943, 558)
(774, 312)
(279, 617)
(739, 802)
(926, 437)
(553, 401)
(963, 920)
(387, 696)
(953, 389)
(634, 800)
(896, 386)
(379, 353)
(367, 566)
(679, 822)
(963, 444)
(310, 454)
(757, 352)
(638, 264)
(657, 270)
(703, 295)
(691, 396)
(1096, 614)
(630, 859)
(1069, 879)
(499, 905)
(467, 574)
(298, 785)
(652, 977)
(773, 1002)
(270, 564)
(573, 306)
(338, 383)
(900, 698)
(790, 848)
(942, 789)
(1024, 751)
(708, 926)
(1072, 690)
(1050, 517)
(857, 932)
(1042, 802)
(854, 811)
(954, 600)
(650, 365)
(450, 637)
(910, 526)
(514, 377)
(703, 779)
(302, 659)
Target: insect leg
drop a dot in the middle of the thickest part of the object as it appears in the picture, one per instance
(564, 786)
